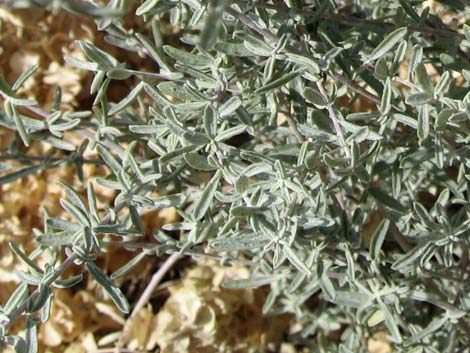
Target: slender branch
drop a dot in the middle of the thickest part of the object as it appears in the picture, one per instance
(22, 307)
(147, 294)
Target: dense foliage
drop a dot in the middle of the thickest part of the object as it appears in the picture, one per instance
(324, 143)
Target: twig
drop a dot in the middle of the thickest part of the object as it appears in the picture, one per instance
(146, 295)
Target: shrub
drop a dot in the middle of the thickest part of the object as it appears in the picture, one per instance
(324, 143)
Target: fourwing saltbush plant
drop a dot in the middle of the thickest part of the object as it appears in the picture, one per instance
(257, 101)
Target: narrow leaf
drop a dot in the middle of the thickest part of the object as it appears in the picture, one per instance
(207, 196)
(388, 43)
(378, 238)
(114, 292)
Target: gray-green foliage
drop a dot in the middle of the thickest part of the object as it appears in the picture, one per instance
(259, 92)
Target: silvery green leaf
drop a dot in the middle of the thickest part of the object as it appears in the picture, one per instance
(156, 53)
(199, 162)
(174, 200)
(352, 299)
(196, 138)
(109, 159)
(304, 61)
(73, 196)
(295, 260)
(114, 292)
(9, 94)
(46, 310)
(386, 200)
(281, 81)
(257, 47)
(317, 134)
(156, 95)
(176, 154)
(415, 60)
(75, 212)
(178, 226)
(177, 90)
(208, 35)
(406, 120)
(121, 73)
(8, 178)
(135, 219)
(433, 326)
(239, 243)
(31, 335)
(99, 84)
(237, 49)
(58, 239)
(147, 6)
(66, 126)
(15, 299)
(246, 211)
(181, 56)
(210, 121)
(378, 238)
(28, 278)
(229, 107)
(411, 256)
(315, 97)
(230, 132)
(392, 325)
(423, 123)
(386, 101)
(24, 76)
(57, 223)
(424, 79)
(362, 116)
(55, 142)
(68, 282)
(314, 222)
(128, 100)
(423, 214)
(23, 257)
(253, 282)
(129, 266)
(326, 285)
(13, 113)
(388, 43)
(45, 294)
(207, 196)
(381, 69)
(418, 98)
(190, 107)
(442, 84)
(172, 121)
(93, 53)
(373, 136)
(84, 65)
(147, 129)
